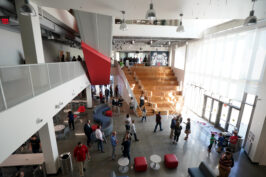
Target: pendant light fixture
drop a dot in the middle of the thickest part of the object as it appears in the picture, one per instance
(123, 25)
(151, 14)
(251, 19)
(180, 27)
(27, 9)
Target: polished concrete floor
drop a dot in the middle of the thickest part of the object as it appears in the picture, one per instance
(190, 153)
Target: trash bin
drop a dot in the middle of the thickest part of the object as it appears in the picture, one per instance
(66, 163)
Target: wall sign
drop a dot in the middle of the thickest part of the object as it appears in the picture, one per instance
(159, 58)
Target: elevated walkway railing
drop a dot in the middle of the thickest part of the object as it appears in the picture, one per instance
(22, 82)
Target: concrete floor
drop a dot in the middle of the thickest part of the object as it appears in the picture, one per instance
(190, 153)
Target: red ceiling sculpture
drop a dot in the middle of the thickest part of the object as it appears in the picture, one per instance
(98, 65)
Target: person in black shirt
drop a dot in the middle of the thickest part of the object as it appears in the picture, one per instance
(126, 146)
(35, 144)
(187, 130)
(71, 120)
(88, 131)
(158, 122)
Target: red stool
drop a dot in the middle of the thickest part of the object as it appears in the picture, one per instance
(81, 109)
(170, 160)
(94, 127)
(108, 113)
(140, 164)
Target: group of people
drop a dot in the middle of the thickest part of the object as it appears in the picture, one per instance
(73, 58)
(176, 128)
(134, 60)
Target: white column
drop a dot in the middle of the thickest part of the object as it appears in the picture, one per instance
(49, 147)
(31, 35)
(89, 98)
(258, 126)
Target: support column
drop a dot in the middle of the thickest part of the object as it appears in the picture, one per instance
(31, 35)
(89, 98)
(49, 147)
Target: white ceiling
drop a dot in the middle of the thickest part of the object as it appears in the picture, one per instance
(165, 9)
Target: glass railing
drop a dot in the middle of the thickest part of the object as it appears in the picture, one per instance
(131, 94)
(22, 82)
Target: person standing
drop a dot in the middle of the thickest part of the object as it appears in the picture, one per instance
(220, 143)
(233, 141)
(226, 162)
(142, 100)
(99, 137)
(187, 130)
(35, 144)
(126, 146)
(106, 93)
(177, 131)
(158, 122)
(131, 105)
(172, 126)
(144, 113)
(79, 58)
(128, 123)
(71, 120)
(88, 131)
(212, 141)
(116, 91)
(80, 153)
(133, 130)
(111, 91)
(114, 143)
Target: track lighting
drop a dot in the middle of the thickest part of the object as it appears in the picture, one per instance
(151, 14)
(251, 19)
(123, 25)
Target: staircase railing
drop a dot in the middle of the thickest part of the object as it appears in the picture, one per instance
(130, 91)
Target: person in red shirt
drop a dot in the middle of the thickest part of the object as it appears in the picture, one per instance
(80, 153)
(233, 141)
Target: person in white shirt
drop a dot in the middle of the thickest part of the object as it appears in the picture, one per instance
(133, 130)
(99, 137)
(142, 99)
(128, 123)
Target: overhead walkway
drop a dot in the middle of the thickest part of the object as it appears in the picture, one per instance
(30, 95)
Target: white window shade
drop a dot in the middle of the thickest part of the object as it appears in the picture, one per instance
(228, 65)
(180, 54)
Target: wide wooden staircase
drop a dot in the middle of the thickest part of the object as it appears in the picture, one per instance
(160, 88)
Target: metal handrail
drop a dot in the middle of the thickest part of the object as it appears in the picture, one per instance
(136, 105)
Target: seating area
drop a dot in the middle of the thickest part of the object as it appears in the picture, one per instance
(160, 88)
(202, 171)
(100, 117)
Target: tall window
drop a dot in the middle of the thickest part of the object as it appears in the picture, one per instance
(227, 65)
(180, 53)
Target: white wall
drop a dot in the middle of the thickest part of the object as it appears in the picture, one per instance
(258, 126)
(52, 49)
(11, 51)
(18, 123)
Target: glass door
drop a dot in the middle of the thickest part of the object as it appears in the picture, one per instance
(245, 120)
(208, 108)
(233, 120)
(224, 114)
(214, 111)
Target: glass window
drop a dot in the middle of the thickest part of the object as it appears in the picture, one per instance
(214, 111)
(233, 120)
(236, 103)
(245, 120)
(208, 108)
(225, 109)
(250, 99)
